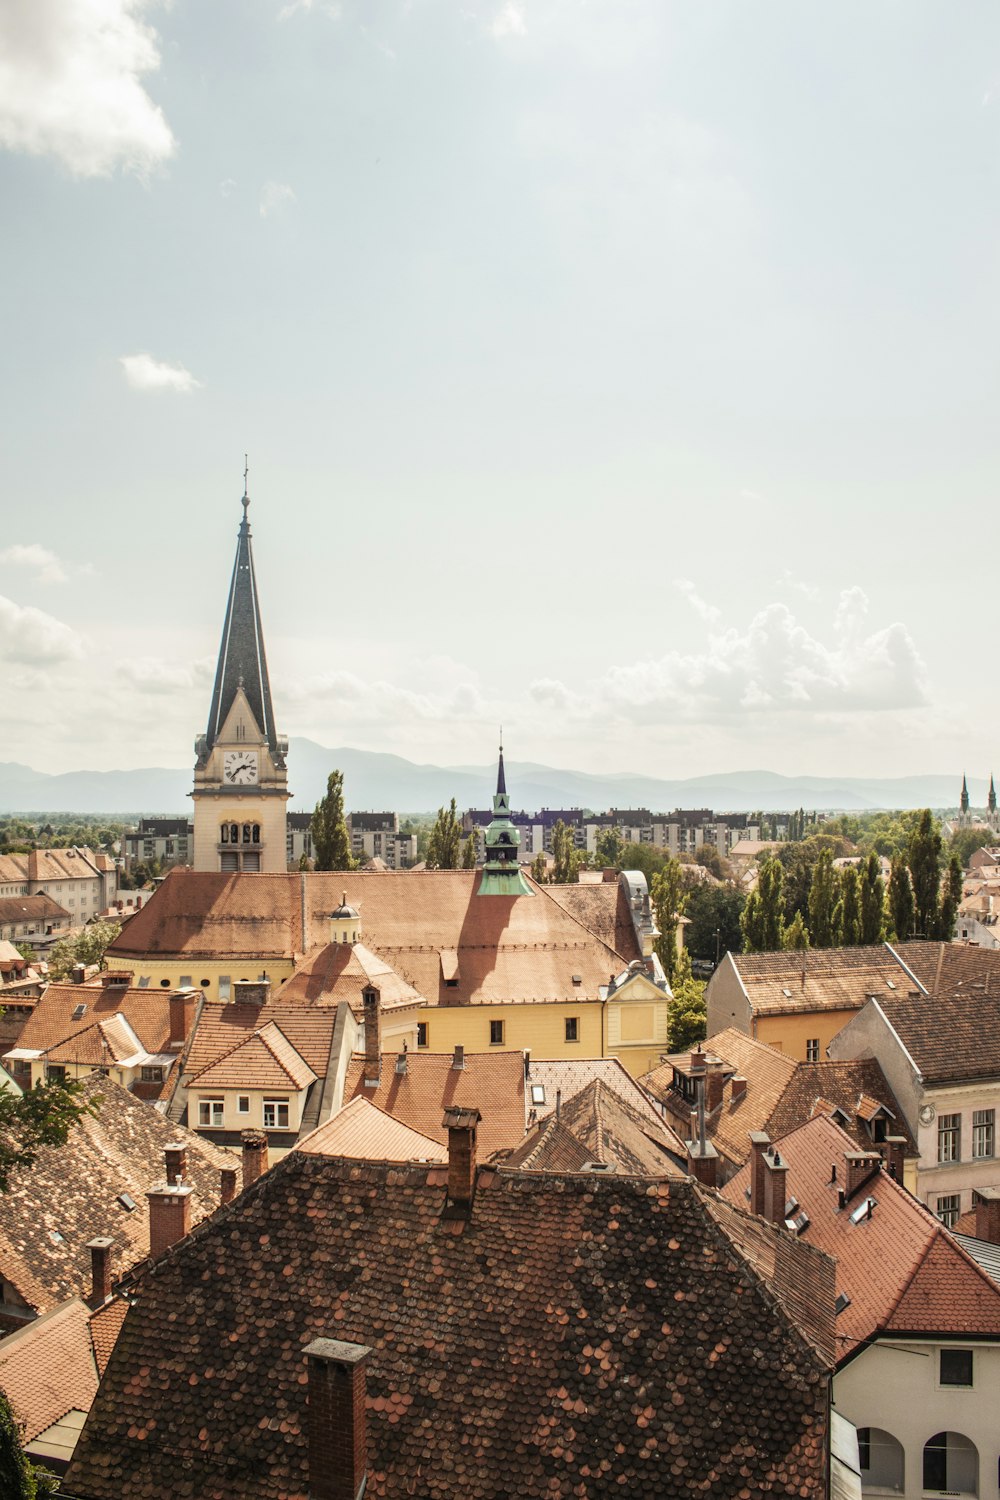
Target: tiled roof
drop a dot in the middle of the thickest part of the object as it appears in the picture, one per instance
(899, 1268)
(569, 1075)
(105, 1326)
(340, 971)
(48, 864)
(70, 1195)
(603, 909)
(51, 1021)
(821, 979)
(26, 908)
(946, 968)
(524, 948)
(607, 1130)
(48, 1368)
(492, 1082)
(858, 1087)
(264, 1060)
(502, 1363)
(110, 1040)
(223, 1028)
(950, 1037)
(363, 1130)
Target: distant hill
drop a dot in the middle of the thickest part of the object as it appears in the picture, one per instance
(375, 781)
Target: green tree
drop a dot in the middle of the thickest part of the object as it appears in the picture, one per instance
(42, 1116)
(668, 896)
(566, 856)
(469, 852)
(763, 919)
(901, 908)
(708, 856)
(331, 841)
(444, 846)
(796, 934)
(20, 1479)
(965, 841)
(85, 947)
(824, 893)
(687, 1019)
(711, 909)
(872, 901)
(951, 896)
(799, 863)
(923, 856)
(850, 907)
(609, 850)
(539, 868)
(26, 951)
(305, 863)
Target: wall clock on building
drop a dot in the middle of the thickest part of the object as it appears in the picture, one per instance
(927, 1113)
(239, 767)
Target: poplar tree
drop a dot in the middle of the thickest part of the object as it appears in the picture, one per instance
(446, 839)
(872, 902)
(850, 911)
(763, 919)
(469, 852)
(668, 897)
(923, 856)
(331, 840)
(901, 906)
(951, 896)
(567, 857)
(539, 868)
(823, 903)
(796, 934)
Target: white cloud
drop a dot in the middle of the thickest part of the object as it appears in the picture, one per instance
(144, 373)
(707, 612)
(329, 7)
(151, 674)
(227, 187)
(34, 639)
(275, 196)
(37, 559)
(508, 21)
(360, 701)
(70, 84)
(773, 666)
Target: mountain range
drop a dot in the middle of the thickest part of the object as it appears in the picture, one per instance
(376, 781)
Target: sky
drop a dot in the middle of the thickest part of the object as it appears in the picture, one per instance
(621, 371)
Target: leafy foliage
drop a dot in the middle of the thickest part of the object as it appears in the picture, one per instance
(923, 856)
(610, 850)
(444, 845)
(796, 934)
(568, 858)
(469, 853)
(687, 1018)
(763, 919)
(331, 841)
(901, 904)
(712, 908)
(668, 896)
(872, 901)
(86, 947)
(42, 1116)
(965, 841)
(539, 868)
(20, 1479)
(824, 904)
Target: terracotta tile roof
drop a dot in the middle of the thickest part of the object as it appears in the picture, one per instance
(363, 1130)
(111, 1040)
(48, 1368)
(607, 1130)
(340, 971)
(264, 1060)
(835, 978)
(492, 1082)
(950, 1037)
(48, 864)
(569, 1075)
(501, 1362)
(898, 1266)
(222, 1028)
(105, 1326)
(51, 1021)
(26, 908)
(70, 1195)
(524, 948)
(946, 968)
(603, 910)
(858, 1087)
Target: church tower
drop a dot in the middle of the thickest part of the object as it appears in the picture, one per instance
(963, 803)
(502, 872)
(991, 806)
(240, 777)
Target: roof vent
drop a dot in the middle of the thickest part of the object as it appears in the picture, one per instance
(577, 978)
(842, 1301)
(127, 1202)
(798, 1223)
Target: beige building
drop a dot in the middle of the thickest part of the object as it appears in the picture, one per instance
(81, 882)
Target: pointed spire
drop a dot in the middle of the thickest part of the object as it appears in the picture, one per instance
(501, 780)
(965, 795)
(992, 799)
(502, 871)
(242, 661)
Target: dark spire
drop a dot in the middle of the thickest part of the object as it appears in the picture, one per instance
(992, 800)
(242, 662)
(501, 782)
(965, 795)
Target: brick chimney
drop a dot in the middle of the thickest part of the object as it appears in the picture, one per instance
(227, 1184)
(895, 1156)
(337, 1423)
(254, 1155)
(737, 1087)
(100, 1271)
(461, 1127)
(775, 1187)
(986, 1202)
(714, 1077)
(175, 1157)
(861, 1168)
(169, 1215)
(182, 1005)
(251, 991)
(373, 1036)
(760, 1143)
(703, 1162)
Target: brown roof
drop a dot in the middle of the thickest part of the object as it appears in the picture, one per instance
(492, 1082)
(363, 1130)
(51, 1022)
(501, 1361)
(569, 1075)
(224, 1027)
(110, 1040)
(49, 1368)
(607, 1130)
(27, 908)
(48, 864)
(900, 1268)
(604, 910)
(822, 979)
(509, 948)
(340, 971)
(71, 1195)
(264, 1060)
(946, 968)
(950, 1037)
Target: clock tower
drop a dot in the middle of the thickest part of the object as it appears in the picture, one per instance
(240, 776)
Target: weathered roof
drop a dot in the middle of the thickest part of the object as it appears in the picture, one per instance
(821, 979)
(363, 1130)
(508, 948)
(27, 908)
(492, 1082)
(607, 1130)
(266, 1059)
(48, 864)
(107, 1041)
(222, 1028)
(71, 1194)
(946, 968)
(568, 1075)
(501, 1363)
(341, 971)
(950, 1037)
(49, 1367)
(54, 1018)
(899, 1268)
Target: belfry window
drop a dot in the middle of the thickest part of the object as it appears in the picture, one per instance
(225, 833)
(256, 833)
(246, 833)
(234, 833)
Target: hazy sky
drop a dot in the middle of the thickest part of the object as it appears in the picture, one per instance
(626, 371)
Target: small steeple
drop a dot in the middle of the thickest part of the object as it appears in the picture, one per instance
(502, 871)
(991, 801)
(965, 795)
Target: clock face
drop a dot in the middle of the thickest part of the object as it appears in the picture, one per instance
(239, 767)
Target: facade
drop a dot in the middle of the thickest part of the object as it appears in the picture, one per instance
(38, 921)
(680, 832)
(376, 835)
(81, 883)
(241, 777)
(169, 841)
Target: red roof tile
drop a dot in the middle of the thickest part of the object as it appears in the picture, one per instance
(492, 1082)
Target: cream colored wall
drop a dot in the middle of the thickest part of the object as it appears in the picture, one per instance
(211, 810)
(895, 1387)
(542, 1028)
(194, 970)
(125, 1076)
(789, 1033)
(938, 1179)
(232, 1119)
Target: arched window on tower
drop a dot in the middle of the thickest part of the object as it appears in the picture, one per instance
(225, 834)
(256, 833)
(246, 833)
(234, 833)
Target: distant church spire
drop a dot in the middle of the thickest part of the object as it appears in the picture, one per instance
(991, 801)
(501, 780)
(965, 795)
(242, 660)
(502, 871)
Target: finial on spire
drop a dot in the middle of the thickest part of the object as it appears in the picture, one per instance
(246, 497)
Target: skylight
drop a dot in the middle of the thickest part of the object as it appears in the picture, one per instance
(79, 1012)
(127, 1202)
(842, 1301)
(890, 983)
(538, 1093)
(787, 993)
(864, 1210)
(56, 1237)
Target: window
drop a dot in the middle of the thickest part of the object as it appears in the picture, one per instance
(882, 1460)
(225, 834)
(949, 1137)
(243, 1104)
(421, 1033)
(210, 1113)
(224, 986)
(185, 982)
(538, 1093)
(275, 1114)
(151, 1074)
(951, 1463)
(572, 1028)
(55, 1070)
(949, 1206)
(496, 1033)
(246, 833)
(812, 1049)
(983, 1132)
(956, 1367)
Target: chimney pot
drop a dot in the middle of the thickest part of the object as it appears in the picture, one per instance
(373, 1036)
(775, 1189)
(461, 1127)
(986, 1202)
(737, 1087)
(895, 1156)
(337, 1418)
(169, 1215)
(227, 1184)
(703, 1162)
(175, 1159)
(100, 1271)
(254, 1155)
